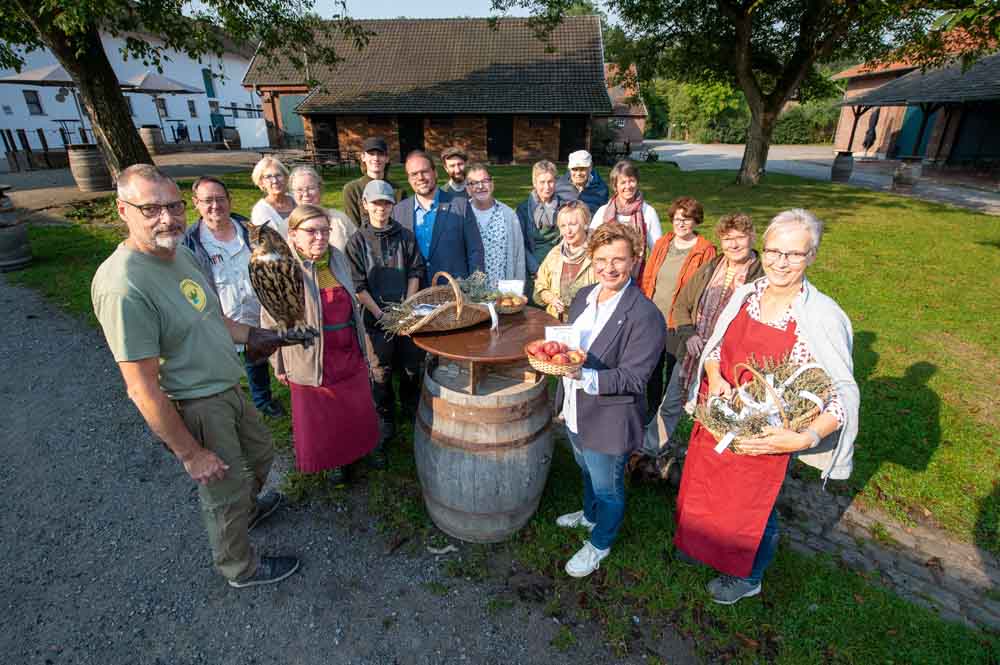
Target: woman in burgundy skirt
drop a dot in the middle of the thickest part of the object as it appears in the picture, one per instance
(333, 413)
(725, 509)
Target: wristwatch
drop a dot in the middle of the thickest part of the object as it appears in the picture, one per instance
(814, 435)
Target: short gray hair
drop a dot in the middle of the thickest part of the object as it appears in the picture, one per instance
(300, 171)
(798, 217)
(140, 172)
(258, 169)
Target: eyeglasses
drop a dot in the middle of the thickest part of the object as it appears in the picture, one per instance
(735, 239)
(617, 264)
(793, 258)
(154, 210)
(273, 176)
(479, 184)
(316, 232)
(209, 200)
(305, 190)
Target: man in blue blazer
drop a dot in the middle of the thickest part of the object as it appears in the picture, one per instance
(604, 406)
(445, 226)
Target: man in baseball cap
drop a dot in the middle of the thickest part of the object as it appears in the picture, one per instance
(374, 166)
(454, 160)
(582, 182)
(387, 267)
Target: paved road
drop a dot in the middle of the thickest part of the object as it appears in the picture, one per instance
(815, 162)
(107, 563)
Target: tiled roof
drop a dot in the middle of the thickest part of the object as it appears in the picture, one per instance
(864, 70)
(947, 85)
(453, 66)
(621, 96)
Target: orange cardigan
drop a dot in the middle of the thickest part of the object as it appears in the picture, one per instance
(702, 252)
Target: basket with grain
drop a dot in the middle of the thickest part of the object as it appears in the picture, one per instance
(447, 308)
(793, 401)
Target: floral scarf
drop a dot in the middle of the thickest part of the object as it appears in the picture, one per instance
(633, 210)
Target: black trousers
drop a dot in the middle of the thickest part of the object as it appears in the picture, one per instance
(660, 378)
(387, 356)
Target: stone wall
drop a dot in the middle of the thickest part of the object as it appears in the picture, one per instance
(352, 130)
(925, 566)
(466, 131)
(535, 138)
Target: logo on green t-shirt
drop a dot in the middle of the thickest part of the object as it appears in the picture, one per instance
(194, 293)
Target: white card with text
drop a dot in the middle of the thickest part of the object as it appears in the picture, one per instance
(568, 335)
(511, 286)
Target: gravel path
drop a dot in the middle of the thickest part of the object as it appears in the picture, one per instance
(108, 562)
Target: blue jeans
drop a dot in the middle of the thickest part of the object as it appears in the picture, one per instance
(603, 491)
(259, 379)
(766, 550)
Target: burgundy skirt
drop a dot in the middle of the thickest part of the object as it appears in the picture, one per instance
(335, 423)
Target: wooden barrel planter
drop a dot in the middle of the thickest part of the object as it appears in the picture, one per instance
(89, 169)
(843, 166)
(152, 136)
(482, 459)
(907, 173)
(15, 250)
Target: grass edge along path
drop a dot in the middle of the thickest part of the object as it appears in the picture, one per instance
(812, 610)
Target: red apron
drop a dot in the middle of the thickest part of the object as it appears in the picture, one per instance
(335, 423)
(725, 500)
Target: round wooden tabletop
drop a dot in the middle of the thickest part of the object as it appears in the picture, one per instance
(482, 345)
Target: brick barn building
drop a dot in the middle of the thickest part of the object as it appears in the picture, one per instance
(628, 112)
(499, 92)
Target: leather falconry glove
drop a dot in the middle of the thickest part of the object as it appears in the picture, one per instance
(261, 343)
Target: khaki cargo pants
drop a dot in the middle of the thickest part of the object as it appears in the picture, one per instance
(228, 425)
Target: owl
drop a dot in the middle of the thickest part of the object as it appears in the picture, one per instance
(277, 278)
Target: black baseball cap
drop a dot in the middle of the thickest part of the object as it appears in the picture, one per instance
(375, 143)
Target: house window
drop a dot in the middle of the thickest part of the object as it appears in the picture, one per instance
(161, 106)
(213, 107)
(7, 110)
(618, 122)
(236, 111)
(192, 109)
(34, 103)
(206, 76)
(131, 109)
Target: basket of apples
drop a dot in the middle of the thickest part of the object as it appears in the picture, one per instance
(554, 358)
(510, 303)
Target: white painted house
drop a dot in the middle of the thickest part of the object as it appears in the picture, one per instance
(38, 117)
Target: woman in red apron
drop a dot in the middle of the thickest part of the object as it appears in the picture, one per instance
(725, 509)
(333, 412)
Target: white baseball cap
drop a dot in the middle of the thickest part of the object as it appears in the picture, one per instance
(580, 159)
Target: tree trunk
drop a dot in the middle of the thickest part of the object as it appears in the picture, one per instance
(758, 143)
(84, 58)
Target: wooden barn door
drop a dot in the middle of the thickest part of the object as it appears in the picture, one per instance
(500, 139)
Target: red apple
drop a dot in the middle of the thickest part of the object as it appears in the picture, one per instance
(541, 355)
(576, 357)
(563, 348)
(535, 347)
(552, 348)
(560, 359)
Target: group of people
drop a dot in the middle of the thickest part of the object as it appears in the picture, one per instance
(665, 320)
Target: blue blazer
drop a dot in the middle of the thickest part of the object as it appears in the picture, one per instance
(456, 246)
(595, 194)
(624, 355)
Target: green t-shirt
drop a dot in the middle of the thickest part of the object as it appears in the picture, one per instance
(155, 308)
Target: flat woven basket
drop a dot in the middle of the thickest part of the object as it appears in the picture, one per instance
(551, 368)
(795, 424)
(457, 312)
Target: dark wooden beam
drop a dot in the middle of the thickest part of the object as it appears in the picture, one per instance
(859, 111)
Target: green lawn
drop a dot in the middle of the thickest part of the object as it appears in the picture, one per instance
(919, 282)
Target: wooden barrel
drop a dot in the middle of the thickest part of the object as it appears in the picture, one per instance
(843, 166)
(15, 251)
(482, 459)
(152, 136)
(89, 169)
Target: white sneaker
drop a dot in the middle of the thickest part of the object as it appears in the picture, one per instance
(586, 561)
(573, 520)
